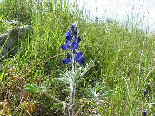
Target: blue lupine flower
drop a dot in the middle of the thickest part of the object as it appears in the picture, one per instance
(74, 47)
(66, 61)
(78, 39)
(79, 58)
(68, 36)
(72, 42)
(67, 46)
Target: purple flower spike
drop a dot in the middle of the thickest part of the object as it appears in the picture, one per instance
(66, 61)
(72, 43)
(68, 36)
(74, 47)
(80, 58)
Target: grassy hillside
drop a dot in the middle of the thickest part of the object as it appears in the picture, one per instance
(124, 60)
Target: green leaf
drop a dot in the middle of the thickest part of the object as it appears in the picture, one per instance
(1, 76)
(62, 80)
(61, 72)
(107, 94)
(46, 83)
(34, 86)
(111, 91)
(77, 75)
(57, 105)
(96, 105)
(90, 92)
(102, 89)
(67, 89)
(29, 90)
(41, 89)
(100, 86)
(29, 86)
(87, 67)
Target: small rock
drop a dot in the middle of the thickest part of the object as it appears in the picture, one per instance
(10, 36)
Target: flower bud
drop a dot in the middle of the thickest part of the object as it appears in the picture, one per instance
(145, 92)
(144, 112)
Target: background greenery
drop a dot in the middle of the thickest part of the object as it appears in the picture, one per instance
(123, 59)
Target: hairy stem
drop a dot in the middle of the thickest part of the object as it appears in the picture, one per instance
(73, 88)
(72, 99)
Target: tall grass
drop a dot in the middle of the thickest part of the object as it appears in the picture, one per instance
(123, 59)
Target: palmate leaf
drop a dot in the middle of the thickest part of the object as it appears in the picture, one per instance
(99, 92)
(65, 77)
(71, 76)
(68, 76)
(91, 92)
(87, 67)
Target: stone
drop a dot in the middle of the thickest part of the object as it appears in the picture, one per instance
(8, 38)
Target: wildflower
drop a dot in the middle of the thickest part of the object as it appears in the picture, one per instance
(68, 36)
(74, 47)
(67, 46)
(79, 58)
(72, 42)
(66, 61)
(78, 39)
